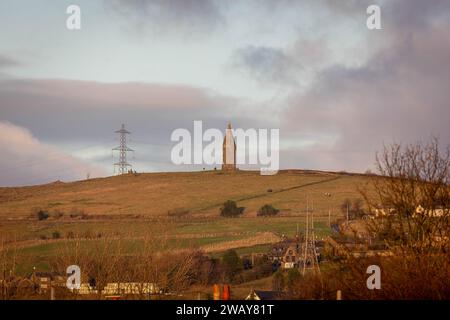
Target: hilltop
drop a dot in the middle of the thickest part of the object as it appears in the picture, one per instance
(195, 193)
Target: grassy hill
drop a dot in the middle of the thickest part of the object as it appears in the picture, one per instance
(127, 209)
(200, 193)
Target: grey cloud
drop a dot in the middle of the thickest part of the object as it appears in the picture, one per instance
(400, 94)
(7, 62)
(69, 110)
(183, 17)
(266, 64)
(81, 117)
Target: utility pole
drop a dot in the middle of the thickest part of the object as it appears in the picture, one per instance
(327, 194)
(123, 149)
(347, 213)
(329, 217)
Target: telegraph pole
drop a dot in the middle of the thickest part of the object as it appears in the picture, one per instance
(122, 165)
(347, 213)
(327, 194)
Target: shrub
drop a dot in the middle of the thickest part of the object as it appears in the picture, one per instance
(267, 210)
(293, 276)
(42, 215)
(278, 281)
(262, 267)
(70, 235)
(355, 208)
(232, 264)
(230, 209)
(56, 235)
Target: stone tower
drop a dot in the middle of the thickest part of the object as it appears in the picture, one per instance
(229, 151)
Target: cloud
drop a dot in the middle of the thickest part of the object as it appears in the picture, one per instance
(82, 116)
(74, 111)
(17, 93)
(266, 64)
(349, 89)
(25, 160)
(401, 94)
(6, 62)
(187, 17)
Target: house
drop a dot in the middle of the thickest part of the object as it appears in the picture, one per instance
(264, 295)
(130, 288)
(439, 211)
(45, 280)
(291, 256)
(286, 254)
(86, 288)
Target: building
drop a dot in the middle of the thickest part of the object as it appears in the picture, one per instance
(264, 295)
(291, 257)
(286, 254)
(130, 288)
(229, 151)
(46, 280)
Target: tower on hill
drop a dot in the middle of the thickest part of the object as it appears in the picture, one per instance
(229, 151)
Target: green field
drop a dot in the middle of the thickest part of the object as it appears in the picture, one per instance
(130, 208)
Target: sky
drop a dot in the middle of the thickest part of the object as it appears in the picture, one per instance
(336, 90)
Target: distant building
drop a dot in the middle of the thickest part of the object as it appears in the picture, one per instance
(264, 295)
(45, 280)
(130, 288)
(229, 151)
(286, 254)
(290, 253)
(291, 256)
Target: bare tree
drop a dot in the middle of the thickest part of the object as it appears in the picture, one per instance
(413, 194)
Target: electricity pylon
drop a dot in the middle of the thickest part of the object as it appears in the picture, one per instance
(310, 259)
(122, 165)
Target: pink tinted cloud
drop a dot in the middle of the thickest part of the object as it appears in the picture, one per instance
(25, 160)
(139, 95)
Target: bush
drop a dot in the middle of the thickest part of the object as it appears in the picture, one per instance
(267, 210)
(230, 209)
(262, 267)
(355, 208)
(232, 264)
(56, 235)
(42, 215)
(278, 281)
(293, 276)
(70, 235)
